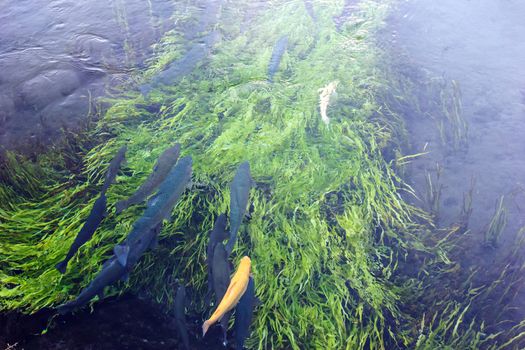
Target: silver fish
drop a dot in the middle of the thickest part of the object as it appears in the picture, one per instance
(243, 315)
(221, 281)
(114, 166)
(159, 208)
(98, 212)
(239, 193)
(111, 272)
(180, 316)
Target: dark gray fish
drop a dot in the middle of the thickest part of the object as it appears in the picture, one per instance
(111, 272)
(217, 235)
(98, 212)
(159, 207)
(114, 167)
(239, 193)
(221, 280)
(308, 4)
(243, 315)
(278, 50)
(161, 169)
(180, 316)
(183, 66)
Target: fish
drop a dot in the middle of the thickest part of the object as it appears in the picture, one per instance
(97, 214)
(217, 235)
(114, 166)
(180, 316)
(310, 9)
(236, 289)
(278, 51)
(159, 207)
(183, 66)
(239, 193)
(243, 315)
(110, 273)
(221, 280)
(162, 167)
(324, 99)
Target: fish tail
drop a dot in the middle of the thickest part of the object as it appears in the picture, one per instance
(66, 308)
(62, 266)
(205, 326)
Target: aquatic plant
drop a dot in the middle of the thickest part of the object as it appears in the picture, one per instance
(433, 194)
(497, 224)
(334, 246)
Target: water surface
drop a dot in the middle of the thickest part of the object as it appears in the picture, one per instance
(57, 56)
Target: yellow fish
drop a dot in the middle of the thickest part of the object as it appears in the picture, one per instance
(236, 289)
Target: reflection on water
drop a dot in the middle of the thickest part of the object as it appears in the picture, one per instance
(56, 56)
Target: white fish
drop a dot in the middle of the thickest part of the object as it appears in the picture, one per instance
(324, 99)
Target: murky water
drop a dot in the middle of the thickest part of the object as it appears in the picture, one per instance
(57, 56)
(480, 46)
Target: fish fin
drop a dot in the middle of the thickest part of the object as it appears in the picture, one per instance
(65, 308)
(121, 252)
(205, 326)
(61, 266)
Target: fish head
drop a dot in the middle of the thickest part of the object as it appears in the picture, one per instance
(244, 169)
(122, 151)
(246, 262)
(170, 154)
(185, 163)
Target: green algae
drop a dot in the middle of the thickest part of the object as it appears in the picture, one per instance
(328, 232)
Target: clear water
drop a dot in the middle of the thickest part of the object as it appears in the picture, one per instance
(478, 44)
(58, 57)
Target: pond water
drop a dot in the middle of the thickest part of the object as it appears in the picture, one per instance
(479, 45)
(57, 57)
(254, 89)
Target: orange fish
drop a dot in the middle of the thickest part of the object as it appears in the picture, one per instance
(236, 289)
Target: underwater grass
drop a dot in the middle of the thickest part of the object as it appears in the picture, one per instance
(327, 229)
